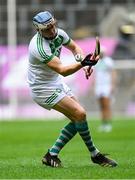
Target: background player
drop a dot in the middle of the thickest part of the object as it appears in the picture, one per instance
(105, 83)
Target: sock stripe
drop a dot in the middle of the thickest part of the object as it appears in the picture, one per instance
(89, 142)
(54, 150)
(63, 132)
(59, 140)
(71, 128)
(70, 134)
(60, 145)
(84, 133)
(55, 147)
(62, 138)
(65, 136)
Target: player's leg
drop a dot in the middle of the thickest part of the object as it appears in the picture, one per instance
(105, 108)
(106, 114)
(73, 110)
(66, 134)
(77, 114)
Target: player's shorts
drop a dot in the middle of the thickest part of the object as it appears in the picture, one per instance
(103, 91)
(49, 96)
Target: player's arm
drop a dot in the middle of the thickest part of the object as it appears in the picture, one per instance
(56, 65)
(76, 50)
(89, 60)
(79, 55)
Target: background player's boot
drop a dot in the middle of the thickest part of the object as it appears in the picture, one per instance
(102, 160)
(50, 160)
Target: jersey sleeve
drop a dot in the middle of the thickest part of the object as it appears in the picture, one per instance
(44, 52)
(66, 38)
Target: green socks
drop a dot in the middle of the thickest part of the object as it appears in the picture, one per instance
(83, 130)
(67, 133)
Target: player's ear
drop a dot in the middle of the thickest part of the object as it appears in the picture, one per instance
(55, 22)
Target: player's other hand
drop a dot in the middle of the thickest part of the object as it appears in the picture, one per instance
(88, 71)
(90, 60)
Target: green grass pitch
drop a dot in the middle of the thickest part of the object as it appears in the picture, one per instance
(23, 143)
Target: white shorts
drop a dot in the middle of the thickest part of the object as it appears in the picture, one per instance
(48, 96)
(103, 91)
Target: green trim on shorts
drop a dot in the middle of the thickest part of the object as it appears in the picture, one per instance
(50, 99)
(41, 50)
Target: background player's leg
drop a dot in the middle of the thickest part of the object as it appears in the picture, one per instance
(106, 114)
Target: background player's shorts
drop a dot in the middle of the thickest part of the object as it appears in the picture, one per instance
(49, 96)
(103, 91)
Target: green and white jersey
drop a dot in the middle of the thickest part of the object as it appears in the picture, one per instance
(41, 51)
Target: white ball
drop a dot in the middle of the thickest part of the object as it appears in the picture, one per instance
(78, 57)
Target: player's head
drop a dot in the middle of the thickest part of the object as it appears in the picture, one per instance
(45, 23)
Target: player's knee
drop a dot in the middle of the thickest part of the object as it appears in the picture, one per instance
(80, 115)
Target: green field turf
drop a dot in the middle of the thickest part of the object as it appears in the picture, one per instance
(22, 145)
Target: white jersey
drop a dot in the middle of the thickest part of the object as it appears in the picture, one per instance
(103, 76)
(42, 51)
(47, 87)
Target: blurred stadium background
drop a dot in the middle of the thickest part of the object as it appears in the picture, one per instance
(112, 20)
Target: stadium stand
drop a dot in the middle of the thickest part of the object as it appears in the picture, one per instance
(89, 13)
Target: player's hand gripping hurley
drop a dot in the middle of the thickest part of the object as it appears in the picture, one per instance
(92, 58)
(95, 57)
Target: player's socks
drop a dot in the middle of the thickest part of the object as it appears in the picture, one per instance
(83, 130)
(67, 133)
